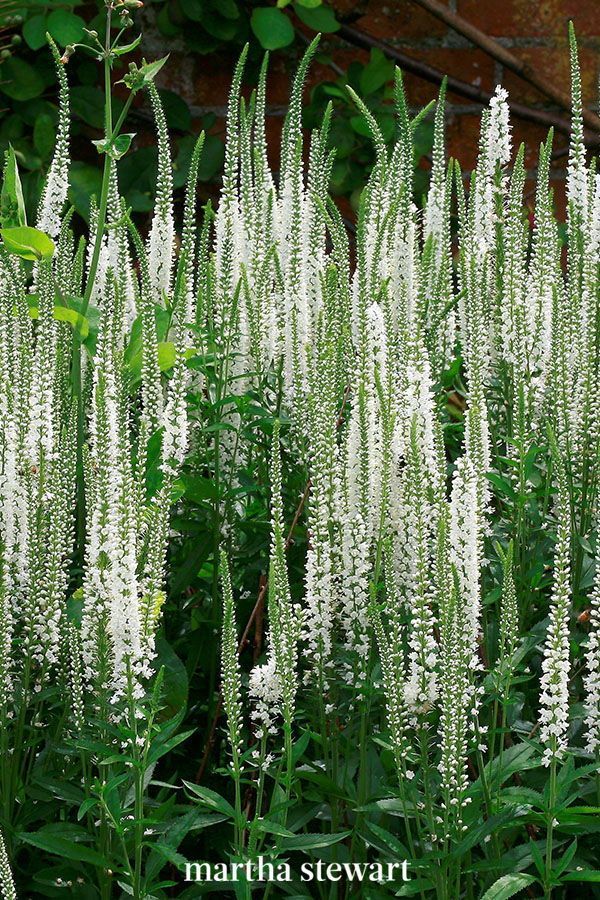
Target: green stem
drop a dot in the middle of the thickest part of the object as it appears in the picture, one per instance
(550, 826)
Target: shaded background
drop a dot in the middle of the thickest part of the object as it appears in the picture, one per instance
(204, 38)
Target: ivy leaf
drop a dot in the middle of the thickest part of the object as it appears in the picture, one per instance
(34, 31)
(20, 81)
(318, 17)
(272, 28)
(65, 27)
(28, 243)
(12, 204)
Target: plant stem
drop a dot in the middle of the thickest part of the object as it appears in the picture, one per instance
(550, 827)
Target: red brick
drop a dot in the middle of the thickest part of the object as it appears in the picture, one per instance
(552, 63)
(395, 20)
(472, 66)
(462, 139)
(532, 18)
(532, 136)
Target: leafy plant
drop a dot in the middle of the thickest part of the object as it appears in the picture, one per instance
(339, 500)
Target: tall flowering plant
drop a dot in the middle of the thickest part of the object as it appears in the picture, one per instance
(424, 679)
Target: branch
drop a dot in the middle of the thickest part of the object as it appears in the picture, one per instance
(360, 38)
(504, 56)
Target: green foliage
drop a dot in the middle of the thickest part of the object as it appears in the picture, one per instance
(28, 243)
(318, 467)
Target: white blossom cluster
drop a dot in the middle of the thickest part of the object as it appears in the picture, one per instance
(361, 346)
(57, 443)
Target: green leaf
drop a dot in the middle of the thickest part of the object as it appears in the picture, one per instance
(584, 875)
(87, 102)
(121, 145)
(80, 323)
(34, 31)
(116, 148)
(318, 17)
(166, 355)
(128, 48)
(85, 181)
(376, 73)
(177, 112)
(272, 28)
(508, 886)
(19, 80)
(44, 135)
(12, 204)
(175, 684)
(65, 27)
(211, 799)
(28, 243)
(313, 841)
(145, 74)
(60, 846)
(211, 161)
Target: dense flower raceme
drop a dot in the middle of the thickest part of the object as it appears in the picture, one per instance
(47, 445)
(361, 374)
(358, 348)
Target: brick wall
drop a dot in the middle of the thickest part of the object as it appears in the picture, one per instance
(535, 32)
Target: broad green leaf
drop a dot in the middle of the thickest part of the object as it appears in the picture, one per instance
(146, 73)
(272, 28)
(65, 27)
(44, 135)
(28, 243)
(19, 80)
(12, 204)
(378, 71)
(87, 102)
(177, 112)
(161, 747)
(268, 826)
(85, 181)
(34, 31)
(508, 886)
(80, 323)
(166, 355)
(318, 17)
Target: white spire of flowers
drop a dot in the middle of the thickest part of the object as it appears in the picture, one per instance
(7, 884)
(498, 134)
(591, 678)
(161, 241)
(465, 548)
(577, 175)
(554, 683)
(266, 694)
(55, 191)
(231, 688)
